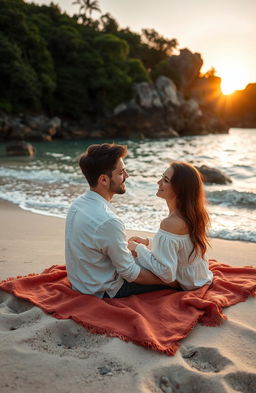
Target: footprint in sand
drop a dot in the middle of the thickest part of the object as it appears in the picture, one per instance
(16, 305)
(17, 313)
(177, 379)
(205, 359)
(65, 338)
(242, 381)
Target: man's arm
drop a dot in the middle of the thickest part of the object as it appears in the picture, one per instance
(145, 277)
(111, 240)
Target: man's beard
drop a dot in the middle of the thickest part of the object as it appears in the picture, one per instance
(116, 189)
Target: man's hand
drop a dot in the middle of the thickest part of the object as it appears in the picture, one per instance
(131, 246)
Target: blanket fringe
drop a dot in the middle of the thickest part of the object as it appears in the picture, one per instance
(45, 271)
(170, 351)
(8, 279)
(218, 318)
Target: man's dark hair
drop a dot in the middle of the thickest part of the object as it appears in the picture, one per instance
(100, 159)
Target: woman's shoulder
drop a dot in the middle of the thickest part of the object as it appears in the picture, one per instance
(175, 225)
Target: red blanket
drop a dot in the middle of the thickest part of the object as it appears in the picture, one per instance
(158, 321)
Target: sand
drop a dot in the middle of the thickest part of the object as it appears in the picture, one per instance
(39, 353)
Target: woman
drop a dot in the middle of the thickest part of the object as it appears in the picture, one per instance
(177, 251)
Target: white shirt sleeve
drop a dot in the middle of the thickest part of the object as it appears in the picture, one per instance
(111, 240)
(162, 261)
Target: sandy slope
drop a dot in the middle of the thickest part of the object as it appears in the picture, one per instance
(41, 354)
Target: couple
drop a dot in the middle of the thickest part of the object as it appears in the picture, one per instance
(99, 260)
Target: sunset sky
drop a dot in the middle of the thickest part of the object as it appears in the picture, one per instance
(222, 31)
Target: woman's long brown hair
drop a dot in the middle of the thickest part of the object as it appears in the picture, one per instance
(187, 185)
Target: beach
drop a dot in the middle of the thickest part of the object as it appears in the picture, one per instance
(39, 353)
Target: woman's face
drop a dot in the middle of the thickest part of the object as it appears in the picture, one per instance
(165, 189)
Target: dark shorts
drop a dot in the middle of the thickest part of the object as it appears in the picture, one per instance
(131, 288)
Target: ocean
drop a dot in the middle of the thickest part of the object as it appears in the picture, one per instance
(48, 182)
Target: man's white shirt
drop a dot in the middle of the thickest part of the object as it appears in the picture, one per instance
(97, 257)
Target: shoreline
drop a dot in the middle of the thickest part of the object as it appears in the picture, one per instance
(24, 257)
(48, 214)
(40, 353)
(150, 233)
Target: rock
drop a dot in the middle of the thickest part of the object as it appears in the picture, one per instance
(147, 96)
(97, 134)
(169, 133)
(5, 126)
(120, 108)
(46, 137)
(20, 132)
(104, 370)
(51, 127)
(54, 122)
(190, 108)
(213, 175)
(20, 149)
(165, 380)
(37, 122)
(186, 66)
(135, 121)
(167, 91)
(156, 109)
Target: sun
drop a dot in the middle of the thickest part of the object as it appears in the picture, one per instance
(233, 78)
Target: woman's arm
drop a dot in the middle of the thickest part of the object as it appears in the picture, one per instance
(164, 265)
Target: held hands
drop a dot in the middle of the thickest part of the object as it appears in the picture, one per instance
(134, 241)
(131, 246)
(139, 239)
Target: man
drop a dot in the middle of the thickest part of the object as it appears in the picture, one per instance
(97, 258)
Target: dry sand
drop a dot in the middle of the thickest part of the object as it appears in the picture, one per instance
(39, 353)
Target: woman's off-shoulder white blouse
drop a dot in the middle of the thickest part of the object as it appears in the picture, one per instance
(167, 256)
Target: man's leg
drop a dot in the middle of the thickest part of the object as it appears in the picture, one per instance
(131, 288)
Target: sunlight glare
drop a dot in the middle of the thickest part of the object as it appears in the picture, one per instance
(233, 78)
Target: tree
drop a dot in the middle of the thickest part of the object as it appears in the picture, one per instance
(20, 86)
(86, 8)
(159, 42)
(109, 24)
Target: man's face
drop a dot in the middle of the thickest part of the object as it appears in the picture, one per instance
(117, 181)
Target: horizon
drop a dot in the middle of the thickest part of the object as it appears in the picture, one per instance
(213, 30)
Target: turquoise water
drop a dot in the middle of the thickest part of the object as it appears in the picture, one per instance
(51, 180)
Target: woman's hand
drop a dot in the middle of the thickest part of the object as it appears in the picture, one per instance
(140, 240)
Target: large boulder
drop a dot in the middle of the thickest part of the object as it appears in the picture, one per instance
(186, 66)
(20, 149)
(133, 120)
(149, 113)
(167, 91)
(147, 96)
(213, 175)
(20, 131)
(23, 127)
(156, 109)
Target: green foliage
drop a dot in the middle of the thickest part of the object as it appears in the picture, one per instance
(19, 82)
(71, 66)
(137, 71)
(164, 68)
(112, 48)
